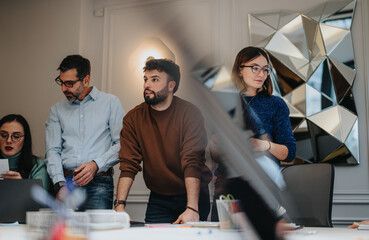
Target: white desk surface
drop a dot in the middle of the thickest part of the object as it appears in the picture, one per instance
(309, 233)
(20, 233)
(136, 233)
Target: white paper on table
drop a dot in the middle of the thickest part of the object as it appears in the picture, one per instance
(4, 166)
(363, 227)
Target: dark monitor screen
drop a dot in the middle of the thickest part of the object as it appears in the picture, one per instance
(16, 199)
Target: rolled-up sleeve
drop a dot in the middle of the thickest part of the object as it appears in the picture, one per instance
(194, 143)
(110, 157)
(54, 147)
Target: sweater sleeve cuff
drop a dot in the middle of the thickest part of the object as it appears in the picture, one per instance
(194, 172)
(127, 174)
(291, 155)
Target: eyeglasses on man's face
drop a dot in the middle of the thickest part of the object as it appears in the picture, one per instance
(16, 137)
(257, 69)
(68, 83)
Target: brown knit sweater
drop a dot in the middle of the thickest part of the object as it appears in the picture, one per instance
(170, 143)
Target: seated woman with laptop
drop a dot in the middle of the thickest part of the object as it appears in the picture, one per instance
(16, 146)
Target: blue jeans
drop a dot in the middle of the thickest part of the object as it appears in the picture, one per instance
(99, 193)
(166, 209)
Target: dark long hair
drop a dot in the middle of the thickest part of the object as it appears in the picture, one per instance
(26, 158)
(245, 55)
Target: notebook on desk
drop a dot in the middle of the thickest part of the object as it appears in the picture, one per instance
(16, 199)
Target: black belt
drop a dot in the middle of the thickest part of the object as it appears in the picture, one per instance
(71, 173)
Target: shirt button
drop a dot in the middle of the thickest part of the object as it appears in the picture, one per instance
(81, 115)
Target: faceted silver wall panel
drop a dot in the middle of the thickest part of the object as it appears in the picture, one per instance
(312, 55)
(218, 80)
(313, 58)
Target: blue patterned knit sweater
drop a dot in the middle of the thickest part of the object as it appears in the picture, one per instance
(269, 115)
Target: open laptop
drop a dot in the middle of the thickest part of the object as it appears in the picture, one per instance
(16, 199)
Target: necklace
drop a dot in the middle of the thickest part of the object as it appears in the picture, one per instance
(247, 103)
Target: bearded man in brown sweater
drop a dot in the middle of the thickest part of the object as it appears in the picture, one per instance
(167, 135)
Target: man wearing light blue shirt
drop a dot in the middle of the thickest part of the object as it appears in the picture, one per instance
(82, 135)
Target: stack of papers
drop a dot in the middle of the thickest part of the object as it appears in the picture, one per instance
(4, 166)
(203, 224)
(291, 226)
(104, 219)
(106, 226)
(363, 227)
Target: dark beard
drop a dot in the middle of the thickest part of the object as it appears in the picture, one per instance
(159, 97)
(74, 96)
(70, 98)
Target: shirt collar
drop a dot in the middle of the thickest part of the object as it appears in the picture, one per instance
(92, 95)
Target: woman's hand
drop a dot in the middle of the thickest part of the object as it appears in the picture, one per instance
(260, 145)
(279, 151)
(11, 175)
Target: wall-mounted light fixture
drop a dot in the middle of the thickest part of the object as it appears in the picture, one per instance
(149, 48)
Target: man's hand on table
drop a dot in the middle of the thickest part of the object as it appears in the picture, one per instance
(188, 216)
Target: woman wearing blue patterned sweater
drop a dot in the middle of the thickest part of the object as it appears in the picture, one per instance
(266, 115)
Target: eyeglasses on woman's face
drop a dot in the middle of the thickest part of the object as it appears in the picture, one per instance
(257, 69)
(68, 83)
(15, 137)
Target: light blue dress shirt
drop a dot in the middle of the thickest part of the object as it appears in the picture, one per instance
(81, 131)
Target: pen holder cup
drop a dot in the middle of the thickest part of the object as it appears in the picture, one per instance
(229, 213)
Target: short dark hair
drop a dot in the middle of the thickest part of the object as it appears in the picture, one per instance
(81, 64)
(26, 158)
(167, 66)
(245, 55)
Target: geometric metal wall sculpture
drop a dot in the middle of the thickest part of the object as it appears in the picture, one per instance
(313, 58)
(218, 80)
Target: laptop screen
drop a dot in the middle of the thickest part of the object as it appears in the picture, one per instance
(16, 199)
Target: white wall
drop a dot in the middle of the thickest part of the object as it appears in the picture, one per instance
(37, 34)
